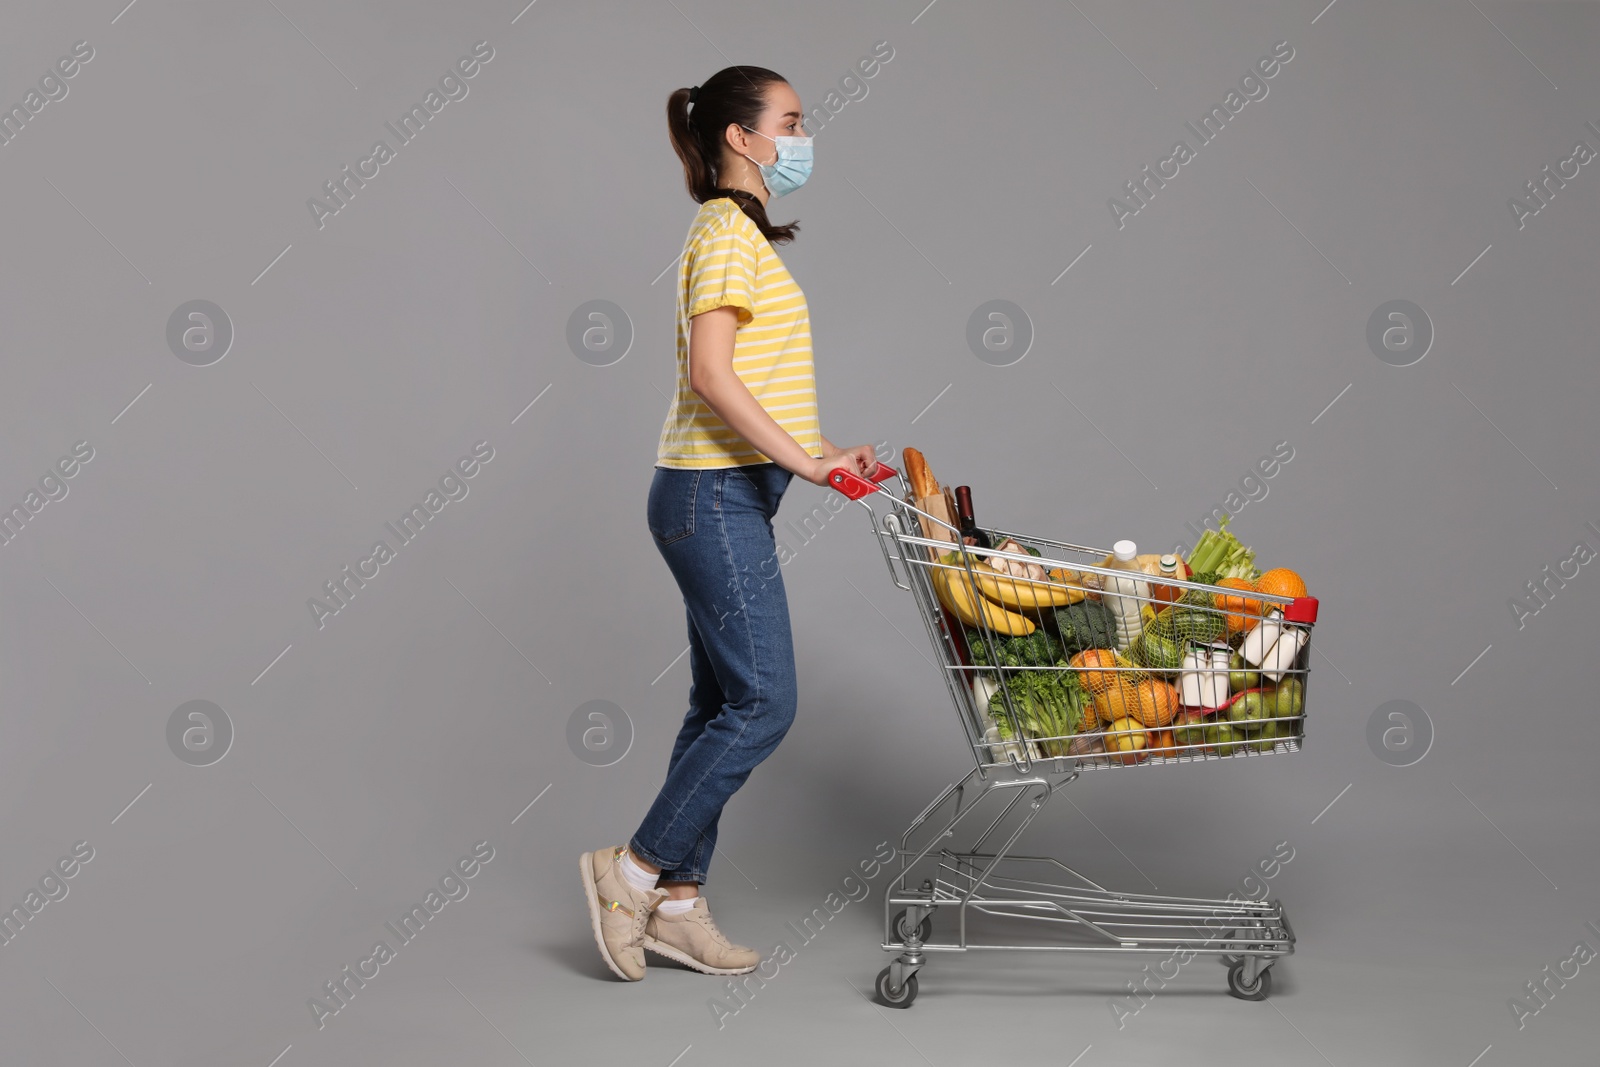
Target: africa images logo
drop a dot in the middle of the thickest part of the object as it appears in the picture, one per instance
(412, 123)
(341, 590)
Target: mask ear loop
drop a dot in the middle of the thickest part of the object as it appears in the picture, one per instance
(776, 155)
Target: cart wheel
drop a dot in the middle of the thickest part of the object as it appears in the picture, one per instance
(924, 928)
(1237, 987)
(900, 998)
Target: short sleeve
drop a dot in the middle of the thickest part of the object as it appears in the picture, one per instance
(722, 270)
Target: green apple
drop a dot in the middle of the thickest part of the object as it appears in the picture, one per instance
(1247, 710)
(1189, 729)
(1222, 738)
(1266, 737)
(1291, 696)
(1240, 677)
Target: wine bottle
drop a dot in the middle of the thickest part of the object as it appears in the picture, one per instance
(964, 516)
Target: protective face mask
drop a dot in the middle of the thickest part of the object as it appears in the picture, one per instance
(792, 167)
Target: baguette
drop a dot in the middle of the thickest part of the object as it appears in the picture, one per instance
(917, 473)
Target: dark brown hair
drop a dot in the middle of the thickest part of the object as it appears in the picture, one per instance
(732, 94)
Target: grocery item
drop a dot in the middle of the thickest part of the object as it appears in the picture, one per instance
(926, 496)
(1222, 738)
(1169, 566)
(1085, 624)
(917, 473)
(1036, 649)
(1095, 667)
(1189, 730)
(1247, 710)
(1159, 653)
(983, 687)
(1048, 704)
(1155, 704)
(955, 593)
(1261, 639)
(1126, 741)
(935, 506)
(1280, 658)
(1119, 701)
(1090, 744)
(1264, 739)
(1243, 612)
(1220, 551)
(1240, 677)
(1123, 593)
(1289, 697)
(1001, 750)
(1025, 593)
(1281, 581)
(1203, 680)
(1190, 619)
(965, 520)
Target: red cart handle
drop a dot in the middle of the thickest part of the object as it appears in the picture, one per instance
(853, 486)
(1303, 609)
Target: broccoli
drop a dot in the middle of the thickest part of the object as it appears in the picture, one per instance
(1086, 624)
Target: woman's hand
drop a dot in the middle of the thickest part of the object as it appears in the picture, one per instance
(860, 460)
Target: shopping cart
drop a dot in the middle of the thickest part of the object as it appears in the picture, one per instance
(1024, 750)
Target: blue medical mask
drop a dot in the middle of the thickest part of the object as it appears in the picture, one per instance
(792, 167)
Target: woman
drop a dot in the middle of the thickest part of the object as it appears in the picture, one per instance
(743, 422)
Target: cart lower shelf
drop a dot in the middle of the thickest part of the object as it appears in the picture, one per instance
(1069, 912)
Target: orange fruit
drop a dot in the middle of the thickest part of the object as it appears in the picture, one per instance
(1126, 741)
(1156, 704)
(1281, 581)
(1124, 699)
(1162, 744)
(1096, 681)
(1119, 700)
(1243, 612)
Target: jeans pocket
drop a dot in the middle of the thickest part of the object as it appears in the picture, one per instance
(669, 511)
(765, 478)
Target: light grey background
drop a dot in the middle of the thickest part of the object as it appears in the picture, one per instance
(1225, 317)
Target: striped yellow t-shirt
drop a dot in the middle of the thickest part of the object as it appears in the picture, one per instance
(728, 262)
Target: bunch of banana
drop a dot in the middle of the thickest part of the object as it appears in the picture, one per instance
(954, 592)
(1027, 594)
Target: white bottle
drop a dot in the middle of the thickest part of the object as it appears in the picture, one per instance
(1261, 638)
(1125, 595)
(1203, 678)
(1220, 658)
(1285, 650)
(1193, 685)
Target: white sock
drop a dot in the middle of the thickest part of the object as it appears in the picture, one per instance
(637, 876)
(677, 907)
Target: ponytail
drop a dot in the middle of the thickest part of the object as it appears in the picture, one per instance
(731, 95)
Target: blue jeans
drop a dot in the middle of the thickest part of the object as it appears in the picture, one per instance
(714, 529)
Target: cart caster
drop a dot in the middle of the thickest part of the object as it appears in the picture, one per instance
(924, 928)
(1237, 986)
(897, 998)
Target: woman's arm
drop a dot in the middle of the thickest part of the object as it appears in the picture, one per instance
(712, 377)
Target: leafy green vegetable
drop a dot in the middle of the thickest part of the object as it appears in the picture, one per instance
(1049, 704)
(1086, 624)
(1220, 551)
